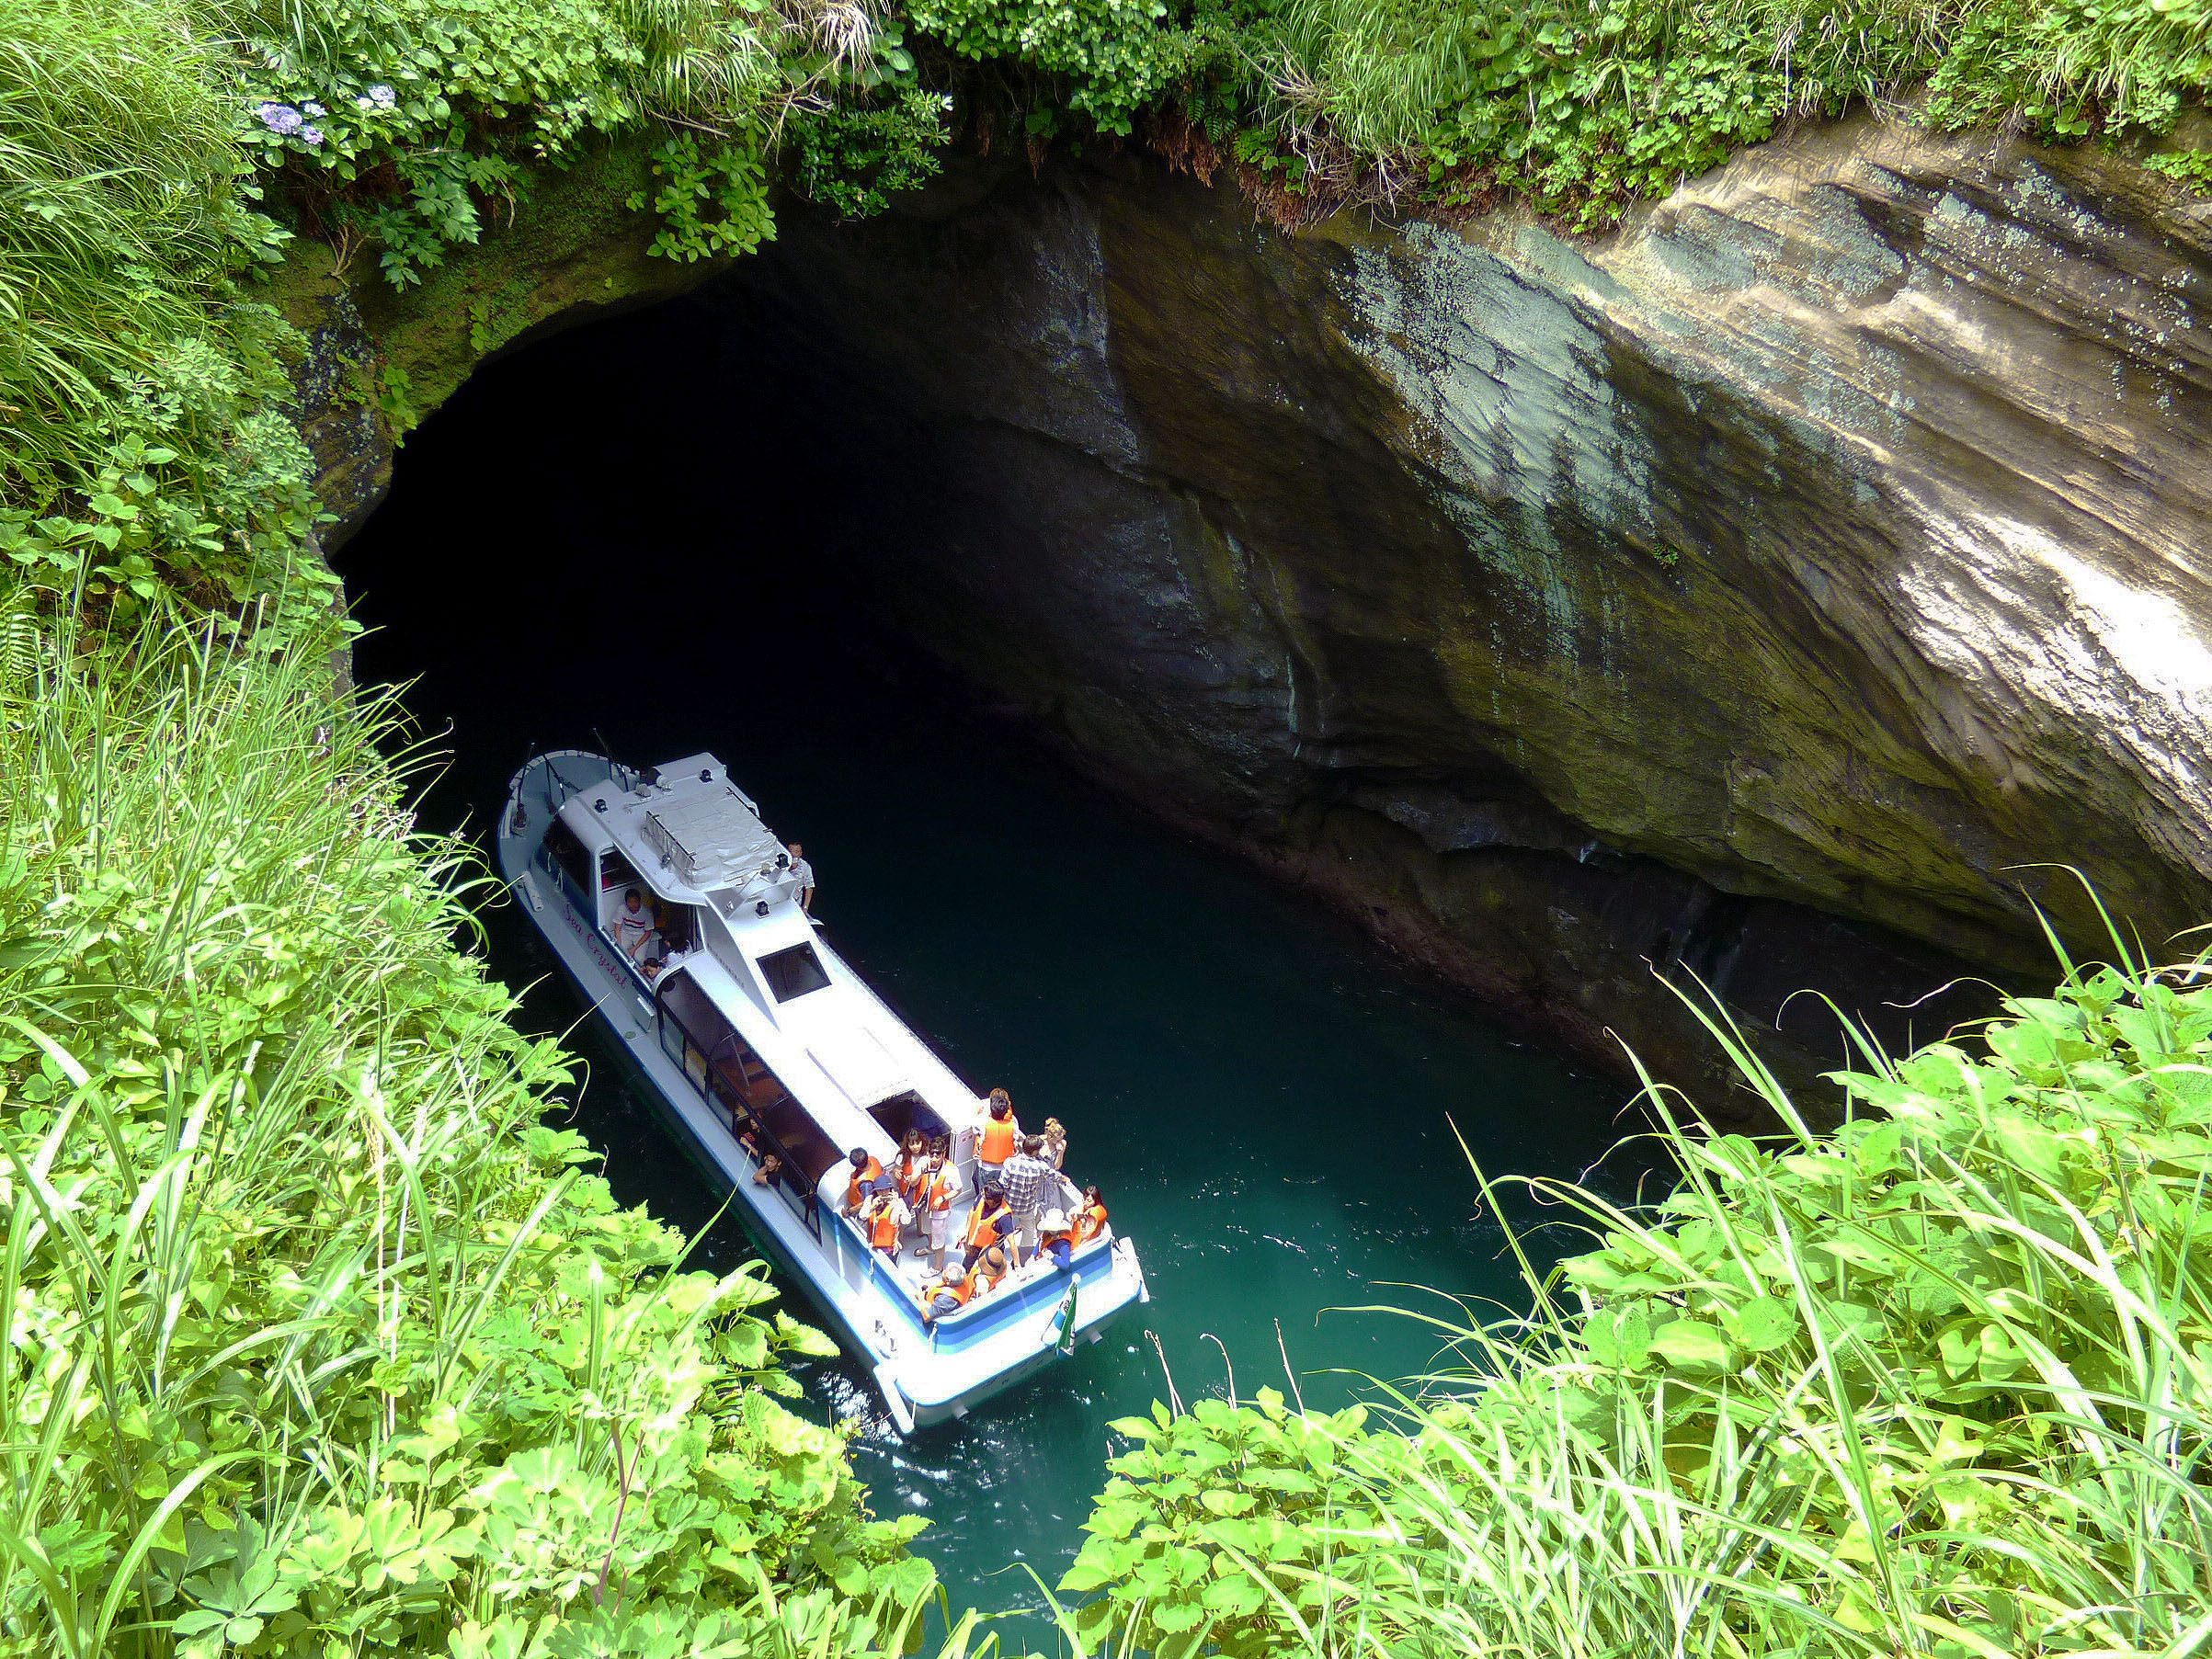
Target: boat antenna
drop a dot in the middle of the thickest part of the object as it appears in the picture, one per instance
(606, 748)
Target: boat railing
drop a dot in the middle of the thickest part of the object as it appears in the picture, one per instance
(790, 1179)
(717, 1088)
(1016, 1293)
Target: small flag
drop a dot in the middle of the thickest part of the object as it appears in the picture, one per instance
(1064, 1327)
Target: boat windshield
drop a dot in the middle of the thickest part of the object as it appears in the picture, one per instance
(793, 971)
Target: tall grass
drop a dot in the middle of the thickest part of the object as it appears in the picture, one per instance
(116, 158)
(1940, 1384)
(320, 1341)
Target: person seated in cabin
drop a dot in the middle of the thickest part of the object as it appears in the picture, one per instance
(885, 1215)
(771, 1168)
(1001, 1133)
(633, 926)
(939, 1186)
(1090, 1218)
(987, 1223)
(865, 1169)
(1057, 1239)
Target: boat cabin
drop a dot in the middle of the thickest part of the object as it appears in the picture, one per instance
(803, 1063)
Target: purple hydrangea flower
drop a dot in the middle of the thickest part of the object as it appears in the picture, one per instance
(280, 119)
(313, 109)
(310, 136)
(382, 96)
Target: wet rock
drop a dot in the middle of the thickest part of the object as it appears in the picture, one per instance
(1768, 593)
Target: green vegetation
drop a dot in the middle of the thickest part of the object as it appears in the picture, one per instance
(1939, 1384)
(141, 445)
(324, 1344)
(1581, 106)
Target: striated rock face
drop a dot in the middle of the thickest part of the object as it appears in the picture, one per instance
(1765, 590)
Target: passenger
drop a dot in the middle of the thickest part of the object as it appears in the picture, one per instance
(1024, 1176)
(946, 1294)
(1000, 1134)
(771, 1168)
(987, 1273)
(631, 926)
(1055, 1143)
(1090, 1220)
(804, 874)
(1057, 1239)
(864, 1170)
(987, 1223)
(886, 1213)
(913, 1165)
(952, 1292)
(939, 1186)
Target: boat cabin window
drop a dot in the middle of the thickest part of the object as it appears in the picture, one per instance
(723, 1067)
(793, 971)
(617, 871)
(565, 853)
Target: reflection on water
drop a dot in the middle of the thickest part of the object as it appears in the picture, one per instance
(1267, 1100)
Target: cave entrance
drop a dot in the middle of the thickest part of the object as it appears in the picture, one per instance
(657, 527)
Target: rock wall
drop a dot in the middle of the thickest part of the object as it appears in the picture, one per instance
(1770, 590)
(1767, 589)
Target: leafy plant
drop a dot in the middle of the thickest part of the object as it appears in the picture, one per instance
(854, 156)
(1934, 1385)
(712, 200)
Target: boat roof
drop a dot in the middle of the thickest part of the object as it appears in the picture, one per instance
(686, 828)
(696, 838)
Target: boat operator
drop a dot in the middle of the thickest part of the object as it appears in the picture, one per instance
(804, 874)
(631, 926)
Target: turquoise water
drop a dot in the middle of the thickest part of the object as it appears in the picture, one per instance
(1269, 1102)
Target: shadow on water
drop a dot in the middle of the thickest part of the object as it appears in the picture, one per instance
(639, 528)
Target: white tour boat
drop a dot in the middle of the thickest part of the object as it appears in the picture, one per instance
(761, 1041)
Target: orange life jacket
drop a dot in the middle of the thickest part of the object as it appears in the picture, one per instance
(1090, 1221)
(885, 1234)
(982, 1231)
(913, 1173)
(938, 1194)
(983, 1280)
(998, 1144)
(856, 1188)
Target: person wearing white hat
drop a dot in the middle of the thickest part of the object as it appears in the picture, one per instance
(1055, 1238)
